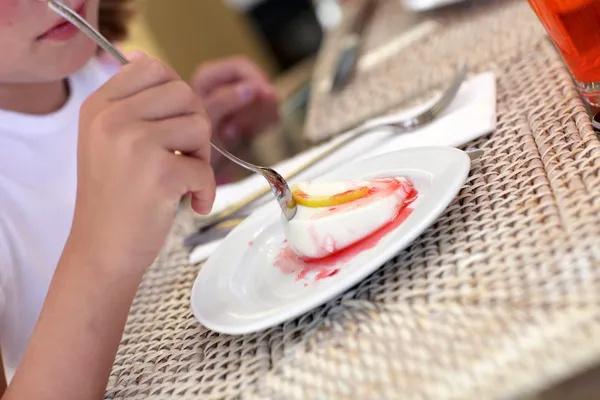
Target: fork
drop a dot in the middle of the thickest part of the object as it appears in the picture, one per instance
(401, 125)
(277, 183)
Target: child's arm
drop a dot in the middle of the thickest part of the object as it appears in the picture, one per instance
(71, 351)
(2, 376)
(130, 181)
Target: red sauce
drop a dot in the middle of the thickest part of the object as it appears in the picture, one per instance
(301, 194)
(289, 262)
(347, 192)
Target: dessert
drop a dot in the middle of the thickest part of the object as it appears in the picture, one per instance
(332, 216)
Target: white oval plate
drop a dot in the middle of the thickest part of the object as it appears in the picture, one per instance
(239, 289)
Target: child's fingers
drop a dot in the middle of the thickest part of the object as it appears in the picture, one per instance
(215, 74)
(167, 100)
(188, 134)
(230, 99)
(142, 73)
(194, 176)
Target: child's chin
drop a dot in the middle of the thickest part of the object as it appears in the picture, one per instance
(74, 61)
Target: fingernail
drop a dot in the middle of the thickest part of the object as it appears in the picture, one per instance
(246, 93)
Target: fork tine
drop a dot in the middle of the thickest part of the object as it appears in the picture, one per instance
(450, 93)
(435, 109)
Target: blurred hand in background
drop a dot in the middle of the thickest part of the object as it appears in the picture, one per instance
(238, 97)
(239, 100)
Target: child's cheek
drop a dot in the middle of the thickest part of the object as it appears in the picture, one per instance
(8, 12)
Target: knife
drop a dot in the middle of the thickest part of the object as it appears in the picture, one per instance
(351, 46)
(216, 232)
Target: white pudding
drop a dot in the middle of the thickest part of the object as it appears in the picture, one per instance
(327, 227)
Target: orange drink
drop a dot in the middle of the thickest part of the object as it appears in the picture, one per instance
(574, 27)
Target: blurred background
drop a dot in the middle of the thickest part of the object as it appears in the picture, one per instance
(281, 36)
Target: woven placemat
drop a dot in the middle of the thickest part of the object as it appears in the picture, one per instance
(500, 298)
(476, 34)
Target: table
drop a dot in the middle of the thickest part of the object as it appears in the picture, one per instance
(500, 298)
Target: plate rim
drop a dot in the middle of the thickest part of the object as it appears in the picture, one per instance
(253, 326)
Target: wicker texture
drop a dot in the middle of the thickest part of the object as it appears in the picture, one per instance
(498, 299)
(478, 36)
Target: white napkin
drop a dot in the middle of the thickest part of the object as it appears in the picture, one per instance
(470, 115)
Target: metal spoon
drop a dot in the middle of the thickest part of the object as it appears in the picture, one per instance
(278, 184)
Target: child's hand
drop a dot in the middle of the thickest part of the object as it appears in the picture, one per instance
(129, 179)
(238, 98)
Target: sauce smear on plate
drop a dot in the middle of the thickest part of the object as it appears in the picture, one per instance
(291, 263)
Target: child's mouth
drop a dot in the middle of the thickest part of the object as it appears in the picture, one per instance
(64, 30)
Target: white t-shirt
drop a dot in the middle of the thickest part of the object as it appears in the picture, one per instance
(38, 180)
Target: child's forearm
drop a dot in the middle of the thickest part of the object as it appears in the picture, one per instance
(74, 343)
(2, 376)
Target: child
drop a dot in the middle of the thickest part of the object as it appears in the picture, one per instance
(89, 185)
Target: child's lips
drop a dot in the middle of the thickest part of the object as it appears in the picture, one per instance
(63, 30)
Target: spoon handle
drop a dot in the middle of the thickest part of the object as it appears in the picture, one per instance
(89, 31)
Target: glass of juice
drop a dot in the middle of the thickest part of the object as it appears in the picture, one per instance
(574, 27)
